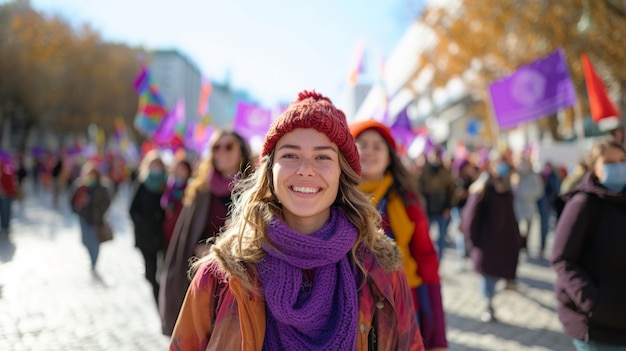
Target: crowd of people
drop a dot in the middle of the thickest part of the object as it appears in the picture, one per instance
(323, 240)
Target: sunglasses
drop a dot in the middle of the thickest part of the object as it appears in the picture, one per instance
(226, 147)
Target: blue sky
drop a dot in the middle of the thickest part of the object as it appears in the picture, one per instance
(271, 48)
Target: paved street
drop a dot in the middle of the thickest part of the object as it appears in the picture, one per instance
(527, 317)
(49, 300)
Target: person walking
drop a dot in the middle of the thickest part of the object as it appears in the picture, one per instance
(90, 198)
(8, 192)
(552, 187)
(388, 183)
(147, 216)
(205, 209)
(465, 176)
(527, 190)
(438, 187)
(302, 264)
(172, 199)
(588, 254)
(491, 229)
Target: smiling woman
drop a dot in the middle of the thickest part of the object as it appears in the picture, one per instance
(306, 178)
(303, 264)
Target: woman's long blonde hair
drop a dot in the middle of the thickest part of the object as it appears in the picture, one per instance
(199, 183)
(254, 205)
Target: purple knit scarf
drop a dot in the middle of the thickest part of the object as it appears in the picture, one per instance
(322, 314)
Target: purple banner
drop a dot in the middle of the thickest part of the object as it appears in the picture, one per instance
(533, 91)
(402, 130)
(251, 120)
(166, 130)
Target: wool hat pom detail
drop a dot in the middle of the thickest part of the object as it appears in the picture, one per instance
(312, 110)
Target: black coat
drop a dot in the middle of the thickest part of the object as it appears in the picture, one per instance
(589, 256)
(489, 224)
(147, 215)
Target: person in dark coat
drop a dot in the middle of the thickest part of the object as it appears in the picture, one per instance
(588, 253)
(438, 187)
(147, 215)
(90, 198)
(205, 209)
(491, 229)
(172, 199)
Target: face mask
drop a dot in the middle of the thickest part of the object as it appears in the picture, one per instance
(614, 176)
(91, 181)
(157, 171)
(502, 169)
(435, 166)
(179, 181)
(157, 176)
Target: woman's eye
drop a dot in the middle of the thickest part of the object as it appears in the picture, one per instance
(324, 157)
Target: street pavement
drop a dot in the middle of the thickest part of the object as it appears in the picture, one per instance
(50, 301)
(527, 317)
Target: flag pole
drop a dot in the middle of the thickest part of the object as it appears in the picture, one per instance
(493, 125)
(579, 127)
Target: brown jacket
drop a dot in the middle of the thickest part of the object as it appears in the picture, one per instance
(188, 232)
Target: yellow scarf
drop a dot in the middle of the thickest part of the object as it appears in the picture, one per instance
(401, 225)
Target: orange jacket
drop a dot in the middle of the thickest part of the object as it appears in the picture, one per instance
(219, 314)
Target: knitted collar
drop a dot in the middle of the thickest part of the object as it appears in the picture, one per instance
(310, 314)
(218, 184)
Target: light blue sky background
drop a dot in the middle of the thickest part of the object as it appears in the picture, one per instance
(271, 48)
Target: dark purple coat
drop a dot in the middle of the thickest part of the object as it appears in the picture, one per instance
(589, 256)
(490, 226)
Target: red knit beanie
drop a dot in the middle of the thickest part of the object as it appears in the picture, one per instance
(359, 127)
(313, 110)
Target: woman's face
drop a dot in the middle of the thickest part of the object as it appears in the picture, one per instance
(610, 155)
(182, 172)
(374, 155)
(226, 154)
(306, 175)
(156, 166)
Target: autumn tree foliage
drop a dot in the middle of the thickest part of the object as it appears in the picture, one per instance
(482, 41)
(60, 78)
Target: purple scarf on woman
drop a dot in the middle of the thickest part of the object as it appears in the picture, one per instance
(317, 315)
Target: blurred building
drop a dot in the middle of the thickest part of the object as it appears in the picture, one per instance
(354, 98)
(177, 77)
(407, 85)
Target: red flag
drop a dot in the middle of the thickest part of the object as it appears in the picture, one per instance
(599, 102)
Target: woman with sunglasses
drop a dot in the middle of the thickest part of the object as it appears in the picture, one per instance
(302, 264)
(205, 208)
(388, 183)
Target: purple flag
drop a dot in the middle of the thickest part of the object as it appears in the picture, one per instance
(142, 81)
(402, 130)
(166, 130)
(197, 136)
(533, 91)
(251, 120)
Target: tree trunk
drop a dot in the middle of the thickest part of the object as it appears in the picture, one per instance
(553, 127)
(28, 127)
(3, 116)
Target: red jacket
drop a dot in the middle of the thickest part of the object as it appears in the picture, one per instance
(8, 181)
